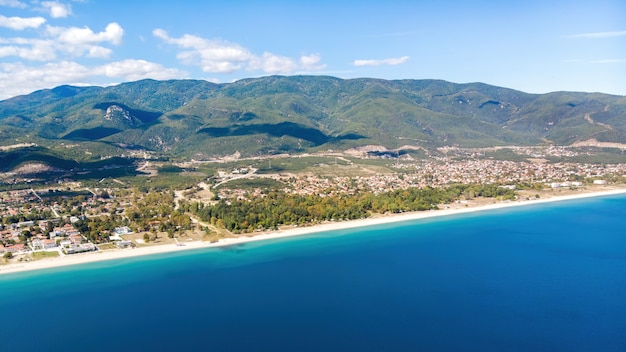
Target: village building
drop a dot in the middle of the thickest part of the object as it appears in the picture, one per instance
(124, 244)
(14, 248)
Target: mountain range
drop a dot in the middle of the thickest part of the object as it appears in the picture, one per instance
(195, 119)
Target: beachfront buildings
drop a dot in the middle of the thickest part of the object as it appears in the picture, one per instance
(65, 238)
(42, 244)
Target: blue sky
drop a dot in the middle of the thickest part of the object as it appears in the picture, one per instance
(533, 46)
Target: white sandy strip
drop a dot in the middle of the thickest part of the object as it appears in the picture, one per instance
(127, 253)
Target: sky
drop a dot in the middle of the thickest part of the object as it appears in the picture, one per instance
(535, 46)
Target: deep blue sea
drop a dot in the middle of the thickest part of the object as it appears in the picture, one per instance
(545, 277)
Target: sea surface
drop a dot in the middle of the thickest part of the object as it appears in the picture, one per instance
(545, 277)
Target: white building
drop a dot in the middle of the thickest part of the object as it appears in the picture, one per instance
(49, 244)
(36, 244)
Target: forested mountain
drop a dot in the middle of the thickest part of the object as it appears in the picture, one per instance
(277, 114)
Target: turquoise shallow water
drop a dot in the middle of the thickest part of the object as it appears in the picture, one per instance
(547, 277)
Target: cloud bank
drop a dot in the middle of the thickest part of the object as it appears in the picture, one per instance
(21, 23)
(17, 78)
(220, 56)
(390, 61)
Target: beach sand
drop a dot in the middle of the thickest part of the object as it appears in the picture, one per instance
(82, 258)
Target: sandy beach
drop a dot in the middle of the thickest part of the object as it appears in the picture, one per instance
(75, 259)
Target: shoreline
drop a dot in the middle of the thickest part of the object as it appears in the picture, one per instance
(84, 258)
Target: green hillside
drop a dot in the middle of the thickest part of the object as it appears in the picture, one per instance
(268, 115)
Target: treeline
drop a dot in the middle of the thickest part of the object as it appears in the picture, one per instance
(34, 214)
(277, 208)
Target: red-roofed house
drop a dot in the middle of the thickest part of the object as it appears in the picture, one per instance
(14, 248)
(47, 244)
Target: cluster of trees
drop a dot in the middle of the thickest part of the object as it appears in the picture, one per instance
(157, 207)
(152, 211)
(97, 229)
(277, 208)
(32, 215)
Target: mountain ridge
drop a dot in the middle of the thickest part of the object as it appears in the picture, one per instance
(296, 114)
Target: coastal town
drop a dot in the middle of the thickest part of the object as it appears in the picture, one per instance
(68, 218)
(33, 228)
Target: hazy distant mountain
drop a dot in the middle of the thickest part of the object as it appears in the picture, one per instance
(198, 119)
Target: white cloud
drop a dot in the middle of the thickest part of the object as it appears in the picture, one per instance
(113, 33)
(29, 49)
(57, 9)
(21, 23)
(17, 78)
(99, 52)
(311, 63)
(132, 70)
(12, 3)
(595, 35)
(211, 55)
(72, 41)
(219, 56)
(276, 64)
(390, 61)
